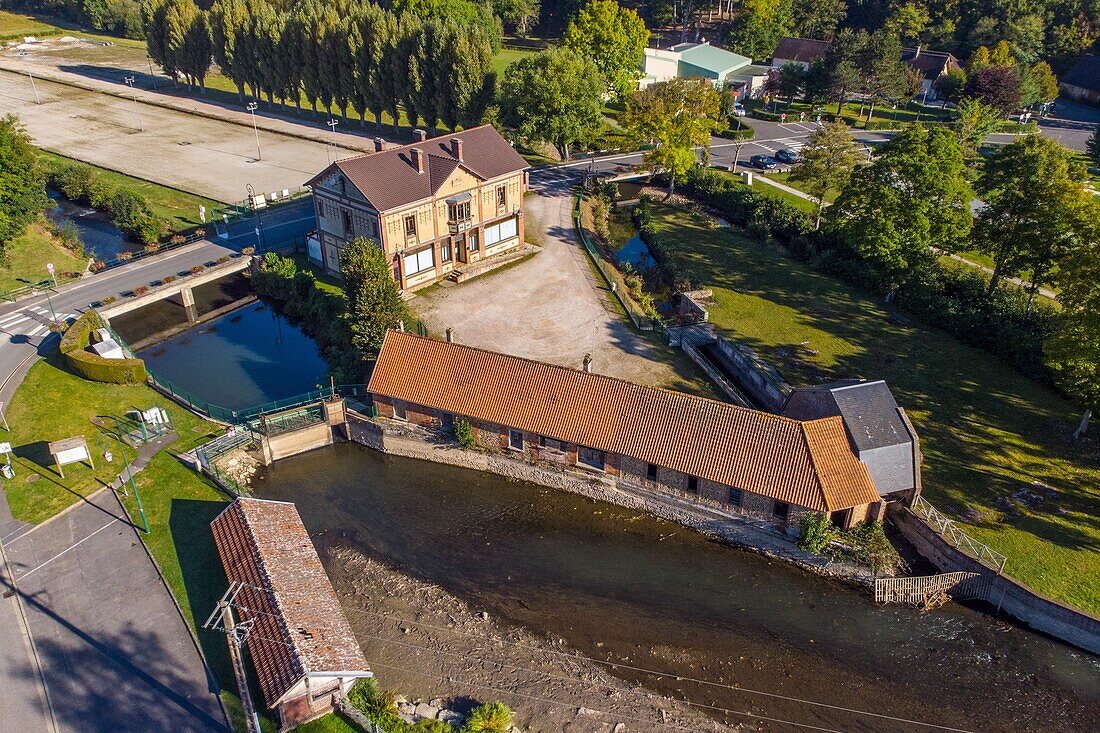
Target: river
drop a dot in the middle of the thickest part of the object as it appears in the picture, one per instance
(101, 238)
(621, 586)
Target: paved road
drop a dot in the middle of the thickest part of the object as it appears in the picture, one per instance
(114, 651)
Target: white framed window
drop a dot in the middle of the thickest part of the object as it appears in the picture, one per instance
(445, 253)
(500, 232)
(410, 226)
(399, 410)
(419, 261)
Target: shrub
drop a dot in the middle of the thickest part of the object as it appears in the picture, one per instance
(99, 265)
(177, 239)
(168, 279)
(107, 300)
(871, 547)
(816, 532)
(494, 717)
(464, 433)
(378, 706)
(197, 270)
(152, 248)
(125, 255)
(223, 259)
(141, 290)
(248, 250)
(93, 366)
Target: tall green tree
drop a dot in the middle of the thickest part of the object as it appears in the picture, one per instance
(154, 14)
(677, 116)
(913, 197)
(614, 38)
(975, 122)
(517, 14)
(187, 40)
(368, 36)
(374, 302)
(228, 21)
(1035, 209)
(817, 18)
(22, 182)
(1092, 147)
(828, 159)
(950, 86)
(552, 96)
(792, 79)
(1038, 85)
(843, 65)
(884, 73)
(997, 86)
(266, 34)
(1074, 351)
(761, 23)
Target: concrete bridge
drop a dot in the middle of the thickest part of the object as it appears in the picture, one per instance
(180, 290)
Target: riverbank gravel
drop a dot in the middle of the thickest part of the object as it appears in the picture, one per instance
(428, 645)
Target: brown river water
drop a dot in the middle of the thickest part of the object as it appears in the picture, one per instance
(620, 586)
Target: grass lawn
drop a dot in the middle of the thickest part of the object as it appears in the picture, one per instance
(784, 177)
(25, 258)
(52, 404)
(17, 25)
(985, 430)
(850, 112)
(180, 208)
(331, 723)
(506, 56)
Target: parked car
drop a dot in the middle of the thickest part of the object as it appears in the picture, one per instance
(786, 156)
(738, 109)
(763, 162)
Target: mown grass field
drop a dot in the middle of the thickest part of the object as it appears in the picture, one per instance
(25, 258)
(16, 26)
(987, 432)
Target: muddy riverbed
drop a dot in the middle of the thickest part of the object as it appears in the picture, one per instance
(747, 641)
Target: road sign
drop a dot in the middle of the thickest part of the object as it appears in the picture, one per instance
(5, 448)
(49, 268)
(202, 213)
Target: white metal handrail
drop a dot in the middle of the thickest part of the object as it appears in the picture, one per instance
(949, 529)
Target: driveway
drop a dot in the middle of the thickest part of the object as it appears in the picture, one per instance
(551, 307)
(114, 651)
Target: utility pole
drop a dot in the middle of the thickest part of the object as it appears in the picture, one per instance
(222, 619)
(137, 108)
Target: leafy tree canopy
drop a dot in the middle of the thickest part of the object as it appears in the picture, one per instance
(614, 38)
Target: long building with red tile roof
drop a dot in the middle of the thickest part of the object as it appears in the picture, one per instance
(744, 459)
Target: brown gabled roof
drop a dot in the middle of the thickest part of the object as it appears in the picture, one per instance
(930, 63)
(299, 627)
(389, 179)
(806, 50)
(808, 464)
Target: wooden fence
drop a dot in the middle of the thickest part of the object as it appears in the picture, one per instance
(919, 591)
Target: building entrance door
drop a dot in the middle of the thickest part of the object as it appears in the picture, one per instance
(460, 249)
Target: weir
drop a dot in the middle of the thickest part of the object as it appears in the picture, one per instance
(180, 289)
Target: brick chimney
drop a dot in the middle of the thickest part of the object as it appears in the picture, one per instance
(587, 364)
(379, 144)
(450, 335)
(417, 159)
(456, 148)
(420, 135)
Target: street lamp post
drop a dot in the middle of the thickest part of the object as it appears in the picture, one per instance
(137, 108)
(129, 471)
(27, 68)
(332, 123)
(261, 236)
(251, 107)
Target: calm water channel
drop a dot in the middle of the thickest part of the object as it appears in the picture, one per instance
(245, 358)
(101, 238)
(618, 585)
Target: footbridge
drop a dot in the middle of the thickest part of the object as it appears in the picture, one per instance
(178, 288)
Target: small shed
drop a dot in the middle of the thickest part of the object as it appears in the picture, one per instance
(300, 642)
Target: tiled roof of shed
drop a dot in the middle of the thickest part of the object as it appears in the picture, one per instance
(299, 625)
(1085, 73)
(807, 464)
(389, 179)
(930, 63)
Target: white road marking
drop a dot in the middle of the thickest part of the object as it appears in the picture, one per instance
(19, 318)
(37, 329)
(47, 562)
(37, 309)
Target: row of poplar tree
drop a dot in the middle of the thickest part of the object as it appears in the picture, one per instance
(435, 61)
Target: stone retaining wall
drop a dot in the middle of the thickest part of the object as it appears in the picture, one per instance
(1010, 595)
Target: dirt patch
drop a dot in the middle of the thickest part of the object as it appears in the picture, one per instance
(428, 645)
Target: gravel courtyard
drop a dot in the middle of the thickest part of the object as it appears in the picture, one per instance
(551, 307)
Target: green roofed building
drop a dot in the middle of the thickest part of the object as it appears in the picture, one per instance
(702, 61)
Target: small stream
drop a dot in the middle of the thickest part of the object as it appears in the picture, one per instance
(620, 585)
(102, 239)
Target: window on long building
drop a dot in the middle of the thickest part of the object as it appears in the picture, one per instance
(736, 497)
(651, 472)
(515, 439)
(781, 510)
(591, 457)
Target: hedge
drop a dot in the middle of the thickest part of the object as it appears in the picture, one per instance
(129, 210)
(92, 366)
